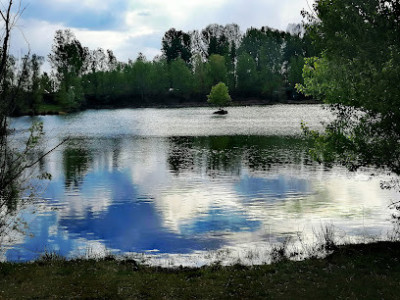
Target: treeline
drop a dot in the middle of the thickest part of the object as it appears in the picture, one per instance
(261, 63)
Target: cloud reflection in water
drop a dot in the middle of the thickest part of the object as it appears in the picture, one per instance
(180, 194)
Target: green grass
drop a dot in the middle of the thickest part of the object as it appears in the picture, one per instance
(369, 271)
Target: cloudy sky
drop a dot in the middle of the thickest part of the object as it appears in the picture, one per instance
(131, 26)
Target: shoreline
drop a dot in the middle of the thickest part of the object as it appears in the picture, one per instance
(364, 271)
(238, 103)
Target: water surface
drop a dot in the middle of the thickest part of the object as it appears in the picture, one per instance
(183, 185)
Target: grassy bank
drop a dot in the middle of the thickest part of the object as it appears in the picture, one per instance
(353, 272)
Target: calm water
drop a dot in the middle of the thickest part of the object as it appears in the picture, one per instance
(184, 186)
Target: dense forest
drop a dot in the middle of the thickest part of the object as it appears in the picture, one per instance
(259, 64)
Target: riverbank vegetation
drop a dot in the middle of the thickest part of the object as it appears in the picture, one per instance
(259, 64)
(359, 61)
(370, 271)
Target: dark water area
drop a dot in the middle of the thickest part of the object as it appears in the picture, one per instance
(184, 186)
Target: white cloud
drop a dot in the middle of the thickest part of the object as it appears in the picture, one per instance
(37, 37)
(178, 13)
(76, 5)
(34, 36)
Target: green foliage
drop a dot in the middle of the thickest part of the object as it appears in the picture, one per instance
(264, 45)
(69, 60)
(295, 72)
(86, 78)
(231, 66)
(262, 63)
(219, 95)
(201, 72)
(217, 69)
(68, 55)
(37, 87)
(218, 39)
(176, 44)
(159, 77)
(70, 93)
(15, 162)
(181, 78)
(355, 73)
(138, 76)
(247, 75)
(25, 85)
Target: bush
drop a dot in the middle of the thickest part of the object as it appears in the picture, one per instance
(219, 95)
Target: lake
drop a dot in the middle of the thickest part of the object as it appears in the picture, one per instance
(182, 186)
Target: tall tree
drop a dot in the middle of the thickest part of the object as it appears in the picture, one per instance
(69, 60)
(247, 75)
(356, 73)
(176, 44)
(217, 69)
(181, 78)
(217, 39)
(297, 46)
(29, 96)
(141, 70)
(8, 20)
(201, 73)
(264, 46)
(159, 77)
(37, 89)
(14, 161)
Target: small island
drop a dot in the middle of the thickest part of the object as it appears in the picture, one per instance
(219, 97)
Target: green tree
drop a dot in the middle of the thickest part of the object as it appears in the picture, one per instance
(201, 75)
(37, 89)
(231, 66)
(356, 74)
(140, 76)
(69, 60)
(46, 83)
(181, 78)
(159, 81)
(217, 69)
(176, 44)
(217, 39)
(247, 75)
(30, 91)
(219, 95)
(294, 73)
(262, 47)
(270, 70)
(21, 87)
(94, 81)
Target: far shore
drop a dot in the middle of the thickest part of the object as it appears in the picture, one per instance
(57, 110)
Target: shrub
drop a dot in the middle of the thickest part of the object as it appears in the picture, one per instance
(219, 95)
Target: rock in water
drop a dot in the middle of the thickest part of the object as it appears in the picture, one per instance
(221, 112)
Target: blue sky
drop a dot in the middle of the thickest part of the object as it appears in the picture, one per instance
(131, 26)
